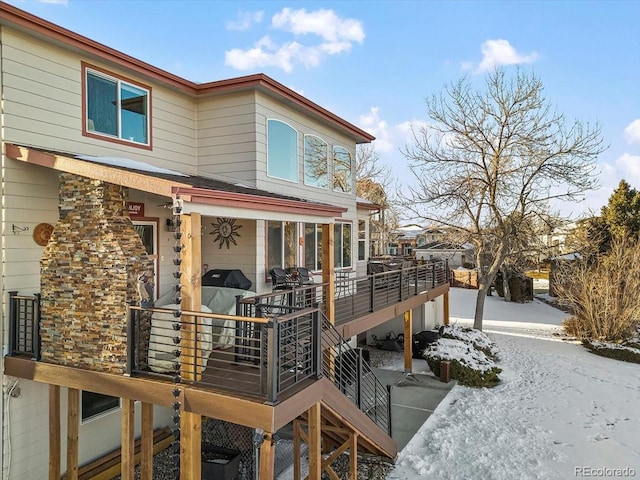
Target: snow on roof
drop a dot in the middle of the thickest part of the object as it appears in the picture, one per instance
(128, 163)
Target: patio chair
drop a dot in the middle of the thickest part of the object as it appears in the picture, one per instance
(280, 279)
(305, 276)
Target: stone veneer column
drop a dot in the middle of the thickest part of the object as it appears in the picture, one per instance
(89, 271)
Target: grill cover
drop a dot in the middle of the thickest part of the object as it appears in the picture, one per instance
(226, 278)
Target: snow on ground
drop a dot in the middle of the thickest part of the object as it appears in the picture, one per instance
(560, 412)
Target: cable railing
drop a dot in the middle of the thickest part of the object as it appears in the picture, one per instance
(261, 356)
(357, 297)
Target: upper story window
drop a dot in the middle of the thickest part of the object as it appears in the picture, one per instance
(342, 178)
(282, 151)
(316, 162)
(115, 108)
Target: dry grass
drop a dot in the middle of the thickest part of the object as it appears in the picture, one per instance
(603, 293)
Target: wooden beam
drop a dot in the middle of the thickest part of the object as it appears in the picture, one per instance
(408, 340)
(446, 308)
(190, 446)
(152, 391)
(314, 416)
(73, 425)
(367, 322)
(127, 439)
(191, 292)
(267, 458)
(146, 442)
(328, 272)
(54, 432)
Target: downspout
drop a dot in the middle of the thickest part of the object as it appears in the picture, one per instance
(3, 273)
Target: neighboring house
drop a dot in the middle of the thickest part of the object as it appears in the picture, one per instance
(122, 181)
(455, 255)
(406, 239)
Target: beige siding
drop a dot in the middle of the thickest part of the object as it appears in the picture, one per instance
(240, 256)
(43, 107)
(30, 198)
(227, 137)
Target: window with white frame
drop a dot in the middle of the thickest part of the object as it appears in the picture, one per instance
(116, 108)
(362, 239)
(342, 176)
(282, 241)
(282, 151)
(316, 162)
(313, 246)
(342, 245)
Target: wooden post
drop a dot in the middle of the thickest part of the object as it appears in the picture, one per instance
(314, 415)
(353, 456)
(445, 371)
(190, 446)
(146, 443)
(190, 269)
(329, 278)
(267, 458)
(54, 432)
(128, 439)
(446, 308)
(408, 341)
(73, 425)
(328, 272)
(191, 292)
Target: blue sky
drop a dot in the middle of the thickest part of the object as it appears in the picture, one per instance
(374, 63)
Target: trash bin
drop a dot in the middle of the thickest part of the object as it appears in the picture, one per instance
(219, 463)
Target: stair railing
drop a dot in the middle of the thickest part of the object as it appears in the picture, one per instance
(353, 376)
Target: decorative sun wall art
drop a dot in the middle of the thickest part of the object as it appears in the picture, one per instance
(224, 230)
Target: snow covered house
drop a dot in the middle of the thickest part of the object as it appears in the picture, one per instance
(122, 181)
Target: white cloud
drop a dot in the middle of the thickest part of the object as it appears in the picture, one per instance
(56, 2)
(379, 128)
(466, 65)
(632, 132)
(266, 54)
(324, 23)
(500, 52)
(337, 34)
(629, 166)
(245, 20)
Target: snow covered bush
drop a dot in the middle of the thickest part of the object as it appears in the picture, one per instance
(469, 365)
(479, 339)
(627, 352)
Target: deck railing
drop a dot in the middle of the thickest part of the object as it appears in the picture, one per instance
(358, 296)
(24, 325)
(262, 356)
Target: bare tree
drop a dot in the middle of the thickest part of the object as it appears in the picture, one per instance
(374, 183)
(492, 159)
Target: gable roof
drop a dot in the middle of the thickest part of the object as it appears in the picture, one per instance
(24, 21)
